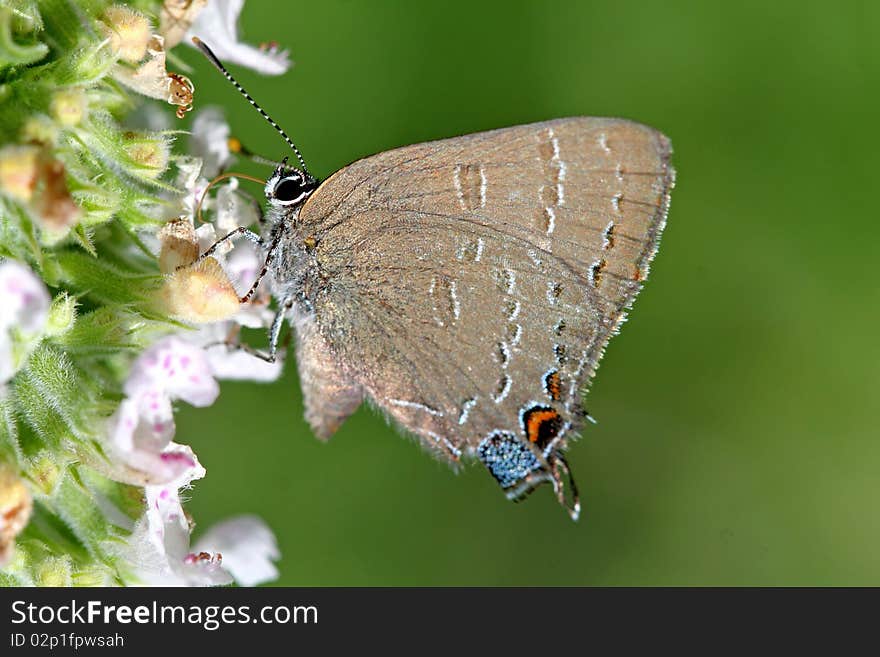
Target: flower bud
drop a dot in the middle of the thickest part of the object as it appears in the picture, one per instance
(39, 129)
(176, 18)
(54, 206)
(68, 106)
(62, 314)
(19, 171)
(54, 571)
(93, 575)
(129, 32)
(150, 154)
(15, 510)
(199, 293)
(180, 245)
(45, 472)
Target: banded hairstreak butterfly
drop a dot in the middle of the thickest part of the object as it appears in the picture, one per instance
(467, 287)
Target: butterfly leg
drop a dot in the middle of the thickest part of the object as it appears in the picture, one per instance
(329, 396)
(274, 337)
(288, 303)
(241, 230)
(232, 343)
(568, 498)
(260, 242)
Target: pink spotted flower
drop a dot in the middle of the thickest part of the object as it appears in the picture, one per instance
(142, 429)
(24, 309)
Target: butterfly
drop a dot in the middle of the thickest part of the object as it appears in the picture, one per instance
(467, 287)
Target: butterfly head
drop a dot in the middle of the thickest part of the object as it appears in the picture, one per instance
(288, 187)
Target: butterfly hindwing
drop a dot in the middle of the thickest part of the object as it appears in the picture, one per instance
(469, 286)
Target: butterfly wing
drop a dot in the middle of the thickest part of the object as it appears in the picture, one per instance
(470, 285)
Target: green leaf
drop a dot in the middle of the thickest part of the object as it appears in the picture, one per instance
(7, 580)
(10, 449)
(66, 22)
(48, 429)
(12, 52)
(128, 500)
(105, 283)
(79, 511)
(83, 236)
(55, 398)
(18, 238)
(102, 332)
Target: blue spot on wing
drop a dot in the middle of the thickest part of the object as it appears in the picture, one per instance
(507, 458)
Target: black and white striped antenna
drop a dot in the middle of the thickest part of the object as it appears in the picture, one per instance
(219, 66)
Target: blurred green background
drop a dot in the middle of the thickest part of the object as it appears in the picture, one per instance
(737, 441)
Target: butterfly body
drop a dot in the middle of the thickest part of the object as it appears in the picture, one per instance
(468, 287)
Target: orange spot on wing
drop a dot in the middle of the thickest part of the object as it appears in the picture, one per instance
(553, 385)
(536, 420)
(598, 269)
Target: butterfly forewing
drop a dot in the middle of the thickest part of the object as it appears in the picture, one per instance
(470, 285)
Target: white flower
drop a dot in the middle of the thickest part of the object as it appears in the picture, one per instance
(217, 25)
(171, 368)
(234, 209)
(186, 367)
(140, 432)
(140, 454)
(210, 140)
(210, 155)
(248, 548)
(159, 553)
(25, 300)
(193, 184)
(158, 550)
(24, 308)
(229, 362)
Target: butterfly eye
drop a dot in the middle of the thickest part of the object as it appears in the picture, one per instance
(291, 189)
